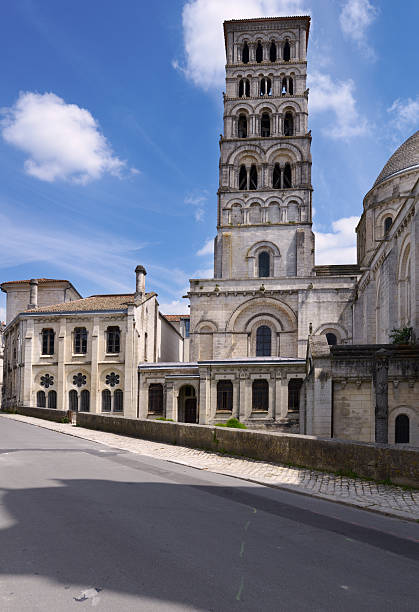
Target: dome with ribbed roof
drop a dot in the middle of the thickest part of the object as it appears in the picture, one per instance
(406, 157)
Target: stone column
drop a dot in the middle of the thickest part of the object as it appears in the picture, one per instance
(94, 368)
(171, 408)
(28, 358)
(236, 398)
(284, 397)
(242, 396)
(381, 396)
(61, 386)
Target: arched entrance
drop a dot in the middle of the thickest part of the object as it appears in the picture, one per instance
(187, 407)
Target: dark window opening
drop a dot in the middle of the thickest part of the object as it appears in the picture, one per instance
(290, 87)
(287, 52)
(73, 400)
(265, 87)
(287, 176)
(284, 87)
(244, 88)
(294, 387)
(288, 124)
(243, 178)
(245, 53)
(260, 395)
(253, 177)
(331, 339)
(41, 399)
(263, 341)
(187, 326)
(225, 395)
(155, 398)
(242, 126)
(80, 340)
(118, 401)
(241, 88)
(264, 266)
(48, 341)
(85, 400)
(106, 400)
(259, 53)
(388, 221)
(402, 429)
(265, 125)
(276, 178)
(113, 339)
(52, 400)
(272, 52)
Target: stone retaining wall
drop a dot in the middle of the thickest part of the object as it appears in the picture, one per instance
(381, 462)
(48, 414)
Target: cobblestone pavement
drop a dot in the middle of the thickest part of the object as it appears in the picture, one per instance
(368, 495)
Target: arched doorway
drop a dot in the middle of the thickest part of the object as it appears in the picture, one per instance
(187, 406)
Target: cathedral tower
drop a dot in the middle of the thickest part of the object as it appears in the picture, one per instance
(264, 197)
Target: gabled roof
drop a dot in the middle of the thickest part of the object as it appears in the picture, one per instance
(176, 317)
(94, 303)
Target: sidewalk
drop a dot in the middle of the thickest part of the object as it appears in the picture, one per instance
(391, 500)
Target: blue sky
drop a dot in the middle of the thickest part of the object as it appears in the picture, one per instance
(110, 119)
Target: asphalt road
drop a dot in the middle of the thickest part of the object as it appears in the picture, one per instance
(83, 525)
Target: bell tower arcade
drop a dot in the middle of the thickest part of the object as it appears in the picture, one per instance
(265, 194)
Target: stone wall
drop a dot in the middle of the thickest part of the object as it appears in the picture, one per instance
(45, 413)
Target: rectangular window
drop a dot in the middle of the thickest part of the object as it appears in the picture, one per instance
(113, 339)
(47, 341)
(187, 324)
(80, 341)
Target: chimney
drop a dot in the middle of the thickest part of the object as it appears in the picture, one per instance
(140, 273)
(33, 293)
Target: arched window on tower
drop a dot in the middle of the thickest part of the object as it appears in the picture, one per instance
(265, 125)
(259, 52)
(263, 341)
(265, 87)
(243, 178)
(244, 88)
(272, 52)
(288, 124)
(290, 86)
(388, 221)
(287, 176)
(253, 176)
(286, 55)
(402, 429)
(276, 177)
(245, 53)
(242, 126)
(264, 261)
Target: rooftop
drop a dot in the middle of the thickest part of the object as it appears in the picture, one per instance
(94, 303)
(404, 158)
(176, 317)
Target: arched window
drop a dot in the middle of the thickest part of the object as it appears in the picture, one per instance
(388, 221)
(264, 261)
(402, 429)
(85, 400)
(80, 341)
(331, 339)
(259, 52)
(265, 88)
(155, 398)
(276, 177)
(253, 176)
(243, 178)
(272, 52)
(265, 125)
(106, 400)
(288, 124)
(284, 86)
(52, 399)
(113, 339)
(260, 395)
(244, 88)
(118, 401)
(48, 341)
(225, 395)
(41, 399)
(286, 55)
(263, 341)
(290, 86)
(242, 126)
(73, 400)
(245, 53)
(287, 176)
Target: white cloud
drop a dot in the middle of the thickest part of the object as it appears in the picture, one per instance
(207, 249)
(355, 17)
(62, 141)
(197, 201)
(175, 307)
(338, 246)
(337, 97)
(203, 33)
(406, 113)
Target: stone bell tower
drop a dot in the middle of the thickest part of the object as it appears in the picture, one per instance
(265, 193)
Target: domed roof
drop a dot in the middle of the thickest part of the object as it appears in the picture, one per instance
(406, 156)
